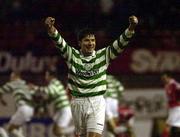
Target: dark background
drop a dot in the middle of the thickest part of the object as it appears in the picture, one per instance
(22, 29)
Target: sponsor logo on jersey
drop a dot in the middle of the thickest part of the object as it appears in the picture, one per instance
(87, 73)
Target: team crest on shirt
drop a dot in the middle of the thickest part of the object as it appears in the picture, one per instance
(88, 66)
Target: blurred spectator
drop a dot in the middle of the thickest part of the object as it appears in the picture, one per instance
(106, 6)
(158, 21)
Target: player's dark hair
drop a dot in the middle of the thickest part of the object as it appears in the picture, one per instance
(16, 72)
(84, 32)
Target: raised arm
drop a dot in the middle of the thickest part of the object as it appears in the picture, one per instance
(118, 45)
(61, 44)
(2, 101)
(6, 88)
(49, 23)
(133, 21)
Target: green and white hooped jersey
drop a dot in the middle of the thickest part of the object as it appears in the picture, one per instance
(19, 89)
(57, 94)
(114, 88)
(87, 75)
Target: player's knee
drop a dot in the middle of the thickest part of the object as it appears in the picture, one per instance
(57, 131)
(27, 111)
(16, 132)
(12, 127)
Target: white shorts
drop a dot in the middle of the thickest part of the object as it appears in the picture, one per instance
(88, 114)
(23, 114)
(111, 108)
(63, 118)
(174, 117)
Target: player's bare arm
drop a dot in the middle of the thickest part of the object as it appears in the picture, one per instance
(49, 23)
(133, 21)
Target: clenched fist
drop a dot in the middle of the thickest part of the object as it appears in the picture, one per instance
(133, 21)
(49, 23)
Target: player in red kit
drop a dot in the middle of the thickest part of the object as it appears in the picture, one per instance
(126, 120)
(172, 88)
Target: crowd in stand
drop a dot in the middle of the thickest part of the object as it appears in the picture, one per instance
(158, 20)
(154, 14)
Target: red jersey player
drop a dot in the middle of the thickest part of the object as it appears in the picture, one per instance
(126, 120)
(172, 88)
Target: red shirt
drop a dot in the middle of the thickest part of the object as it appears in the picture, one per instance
(125, 114)
(173, 93)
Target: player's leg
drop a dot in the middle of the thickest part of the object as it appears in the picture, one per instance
(111, 116)
(23, 114)
(79, 118)
(88, 116)
(96, 119)
(63, 123)
(174, 120)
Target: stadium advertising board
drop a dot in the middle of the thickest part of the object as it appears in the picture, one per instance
(136, 61)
